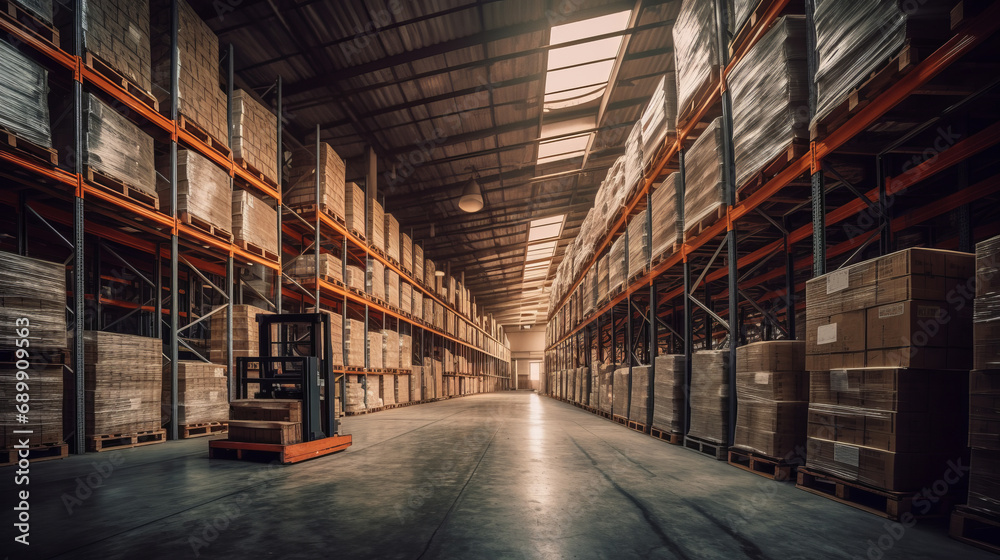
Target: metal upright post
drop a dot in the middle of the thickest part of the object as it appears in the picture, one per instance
(174, 248)
(789, 286)
(158, 297)
(278, 303)
(819, 223)
(230, 266)
(318, 239)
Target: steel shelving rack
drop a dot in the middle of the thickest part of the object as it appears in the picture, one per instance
(203, 271)
(675, 306)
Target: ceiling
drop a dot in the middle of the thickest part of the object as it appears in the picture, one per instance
(444, 89)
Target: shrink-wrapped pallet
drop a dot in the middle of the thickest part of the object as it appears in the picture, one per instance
(603, 278)
(375, 350)
(617, 264)
(375, 279)
(710, 396)
(388, 389)
(418, 262)
(375, 225)
(254, 221)
(770, 93)
(336, 337)
(304, 267)
(392, 288)
(355, 278)
(772, 396)
(117, 32)
(741, 12)
(203, 190)
(406, 297)
(116, 147)
(417, 309)
(986, 307)
(202, 393)
(668, 393)
(354, 342)
(403, 389)
(605, 374)
(696, 51)
(632, 166)
(406, 252)
(668, 227)
(199, 97)
(122, 383)
(430, 277)
(300, 189)
(373, 393)
(390, 349)
(704, 177)
(33, 301)
(354, 208)
(255, 134)
(405, 351)
(354, 388)
(659, 119)
(856, 37)
(391, 225)
(639, 404)
(24, 87)
(638, 243)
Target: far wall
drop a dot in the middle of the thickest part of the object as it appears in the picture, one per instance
(525, 347)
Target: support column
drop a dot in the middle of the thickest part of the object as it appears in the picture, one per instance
(278, 295)
(174, 248)
(819, 223)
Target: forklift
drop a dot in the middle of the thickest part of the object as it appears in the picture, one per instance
(294, 363)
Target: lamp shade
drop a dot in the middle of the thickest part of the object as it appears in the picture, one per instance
(472, 197)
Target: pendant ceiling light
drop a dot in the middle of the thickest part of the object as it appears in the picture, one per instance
(472, 197)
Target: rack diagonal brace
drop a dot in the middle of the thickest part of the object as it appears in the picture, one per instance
(708, 266)
(720, 320)
(260, 295)
(767, 314)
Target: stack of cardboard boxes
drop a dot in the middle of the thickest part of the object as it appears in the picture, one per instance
(254, 221)
(984, 384)
(889, 342)
(710, 396)
(668, 393)
(117, 32)
(255, 134)
(202, 393)
(639, 405)
(275, 421)
(203, 190)
(772, 395)
(391, 237)
(304, 267)
(122, 383)
(375, 226)
(301, 191)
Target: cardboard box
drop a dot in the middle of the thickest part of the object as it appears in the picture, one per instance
(984, 481)
(886, 470)
(771, 356)
(840, 333)
(267, 410)
(258, 431)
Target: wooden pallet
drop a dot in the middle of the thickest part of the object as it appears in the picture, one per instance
(259, 175)
(203, 429)
(877, 82)
(109, 183)
(29, 22)
(774, 469)
(36, 453)
(884, 503)
(618, 419)
(209, 228)
(661, 151)
(324, 208)
(192, 128)
(978, 528)
(11, 142)
(104, 69)
(673, 438)
(750, 25)
(686, 113)
(637, 426)
(670, 251)
(256, 250)
(393, 261)
(694, 230)
(792, 153)
(285, 454)
(710, 448)
(358, 234)
(110, 442)
(633, 276)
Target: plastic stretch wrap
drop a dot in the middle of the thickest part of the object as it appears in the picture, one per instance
(668, 227)
(772, 398)
(355, 278)
(203, 190)
(696, 48)
(403, 389)
(373, 393)
(122, 383)
(417, 307)
(117, 31)
(375, 226)
(986, 307)
(202, 393)
(406, 252)
(638, 243)
(113, 145)
(255, 134)
(388, 389)
(391, 288)
(632, 166)
(668, 393)
(589, 291)
(704, 179)
(855, 37)
(375, 279)
(438, 315)
(304, 266)
(638, 408)
(406, 297)
(742, 10)
(354, 208)
(710, 395)
(418, 262)
(428, 310)
(246, 334)
(24, 87)
(354, 340)
(603, 277)
(770, 93)
(405, 351)
(42, 9)
(301, 189)
(199, 98)
(355, 392)
(392, 237)
(45, 418)
(390, 348)
(659, 118)
(254, 221)
(984, 481)
(430, 279)
(617, 264)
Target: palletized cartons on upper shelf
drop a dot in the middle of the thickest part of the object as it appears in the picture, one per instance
(116, 147)
(696, 53)
(255, 135)
(300, 186)
(204, 194)
(255, 224)
(24, 89)
(117, 33)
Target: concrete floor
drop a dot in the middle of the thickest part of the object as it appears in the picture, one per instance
(510, 475)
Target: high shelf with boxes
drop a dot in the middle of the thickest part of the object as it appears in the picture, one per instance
(156, 178)
(773, 187)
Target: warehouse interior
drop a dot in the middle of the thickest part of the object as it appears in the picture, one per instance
(500, 278)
